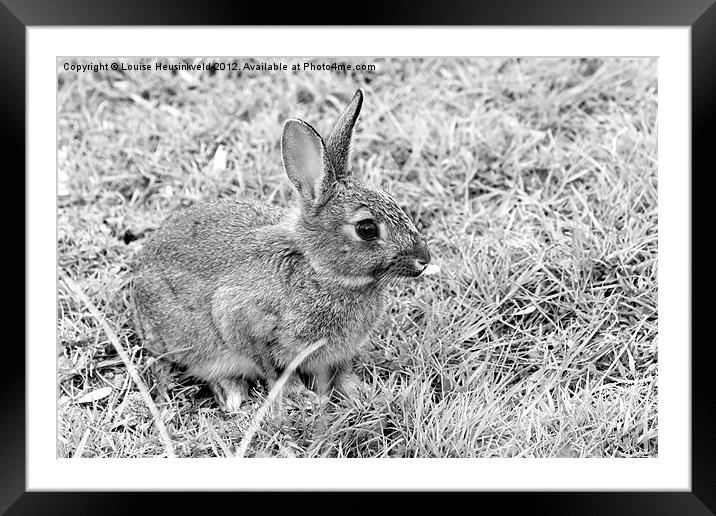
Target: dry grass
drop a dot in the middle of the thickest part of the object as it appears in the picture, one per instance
(535, 181)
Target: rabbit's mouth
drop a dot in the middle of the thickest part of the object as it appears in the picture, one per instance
(418, 268)
(404, 266)
(419, 260)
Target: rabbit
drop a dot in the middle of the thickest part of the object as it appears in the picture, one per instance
(231, 290)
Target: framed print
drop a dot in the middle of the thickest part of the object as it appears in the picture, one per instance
(407, 255)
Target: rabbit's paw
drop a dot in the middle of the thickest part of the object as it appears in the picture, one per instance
(230, 393)
(294, 387)
(347, 385)
(162, 372)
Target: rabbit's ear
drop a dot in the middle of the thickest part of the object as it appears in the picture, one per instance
(305, 160)
(339, 142)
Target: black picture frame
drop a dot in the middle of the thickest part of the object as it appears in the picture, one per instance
(17, 15)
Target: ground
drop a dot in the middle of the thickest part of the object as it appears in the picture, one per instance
(534, 180)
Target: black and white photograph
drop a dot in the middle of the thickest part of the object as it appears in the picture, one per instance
(439, 257)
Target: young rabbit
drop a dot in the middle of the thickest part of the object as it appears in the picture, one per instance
(233, 289)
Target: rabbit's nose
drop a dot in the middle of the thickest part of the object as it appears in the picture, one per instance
(422, 253)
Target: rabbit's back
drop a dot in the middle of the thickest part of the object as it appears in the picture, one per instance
(207, 238)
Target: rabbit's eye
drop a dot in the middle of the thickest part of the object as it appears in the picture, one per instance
(367, 229)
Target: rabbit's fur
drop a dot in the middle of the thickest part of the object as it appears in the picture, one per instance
(233, 289)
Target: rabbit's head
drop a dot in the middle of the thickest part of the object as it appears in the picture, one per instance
(348, 230)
